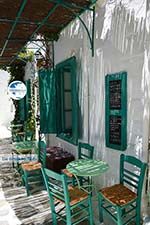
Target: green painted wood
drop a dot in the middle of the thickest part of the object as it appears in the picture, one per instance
(58, 189)
(22, 110)
(47, 94)
(85, 150)
(90, 32)
(24, 145)
(116, 113)
(87, 167)
(42, 153)
(34, 177)
(70, 133)
(50, 12)
(129, 211)
(74, 5)
(20, 11)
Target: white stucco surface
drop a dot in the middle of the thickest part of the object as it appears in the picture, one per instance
(6, 106)
(122, 40)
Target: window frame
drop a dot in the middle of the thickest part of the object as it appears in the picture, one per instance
(71, 64)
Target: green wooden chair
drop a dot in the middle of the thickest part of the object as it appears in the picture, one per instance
(122, 202)
(68, 203)
(21, 148)
(85, 151)
(31, 171)
(29, 135)
(17, 132)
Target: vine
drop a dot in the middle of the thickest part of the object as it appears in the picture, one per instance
(17, 72)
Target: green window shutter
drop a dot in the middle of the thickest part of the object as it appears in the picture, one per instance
(67, 101)
(74, 101)
(47, 94)
(116, 110)
(22, 110)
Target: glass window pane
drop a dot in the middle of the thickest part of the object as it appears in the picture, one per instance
(68, 120)
(67, 80)
(67, 100)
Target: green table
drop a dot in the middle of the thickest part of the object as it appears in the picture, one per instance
(87, 168)
(22, 148)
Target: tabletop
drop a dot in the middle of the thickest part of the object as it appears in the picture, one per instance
(87, 167)
(23, 147)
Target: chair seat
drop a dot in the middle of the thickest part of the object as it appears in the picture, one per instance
(31, 166)
(118, 194)
(76, 195)
(66, 172)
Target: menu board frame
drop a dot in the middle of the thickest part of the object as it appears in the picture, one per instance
(116, 107)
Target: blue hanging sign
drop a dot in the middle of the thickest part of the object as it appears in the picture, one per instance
(17, 90)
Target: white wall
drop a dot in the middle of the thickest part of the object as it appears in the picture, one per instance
(30, 70)
(121, 44)
(6, 106)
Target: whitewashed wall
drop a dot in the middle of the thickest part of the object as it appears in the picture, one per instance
(30, 70)
(7, 109)
(122, 42)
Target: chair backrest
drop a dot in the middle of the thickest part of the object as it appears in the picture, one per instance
(85, 151)
(57, 187)
(42, 153)
(29, 136)
(132, 172)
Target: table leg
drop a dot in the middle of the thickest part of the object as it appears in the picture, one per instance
(87, 188)
(13, 166)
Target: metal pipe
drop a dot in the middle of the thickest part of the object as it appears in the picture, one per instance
(91, 37)
(70, 5)
(14, 25)
(93, 31)
(37, 29)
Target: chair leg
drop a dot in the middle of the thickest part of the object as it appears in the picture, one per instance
(73, 181)
(138, 216)
(25, 177)
(100, 199)
(119, 216)
(91, 221)
(22, 179)
(13, 164)
(68, 216)
(54, 218)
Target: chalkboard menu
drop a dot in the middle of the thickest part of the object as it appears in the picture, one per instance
(115, 94)
(115, 130)
(116, 110)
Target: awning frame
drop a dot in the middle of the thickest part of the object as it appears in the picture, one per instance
(74, 11)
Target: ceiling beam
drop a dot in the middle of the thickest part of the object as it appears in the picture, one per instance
(70, 5)
(4, 20)
(14, 25)
(5, 57)
(51, 11)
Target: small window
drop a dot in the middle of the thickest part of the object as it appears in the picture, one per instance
(67, 105)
